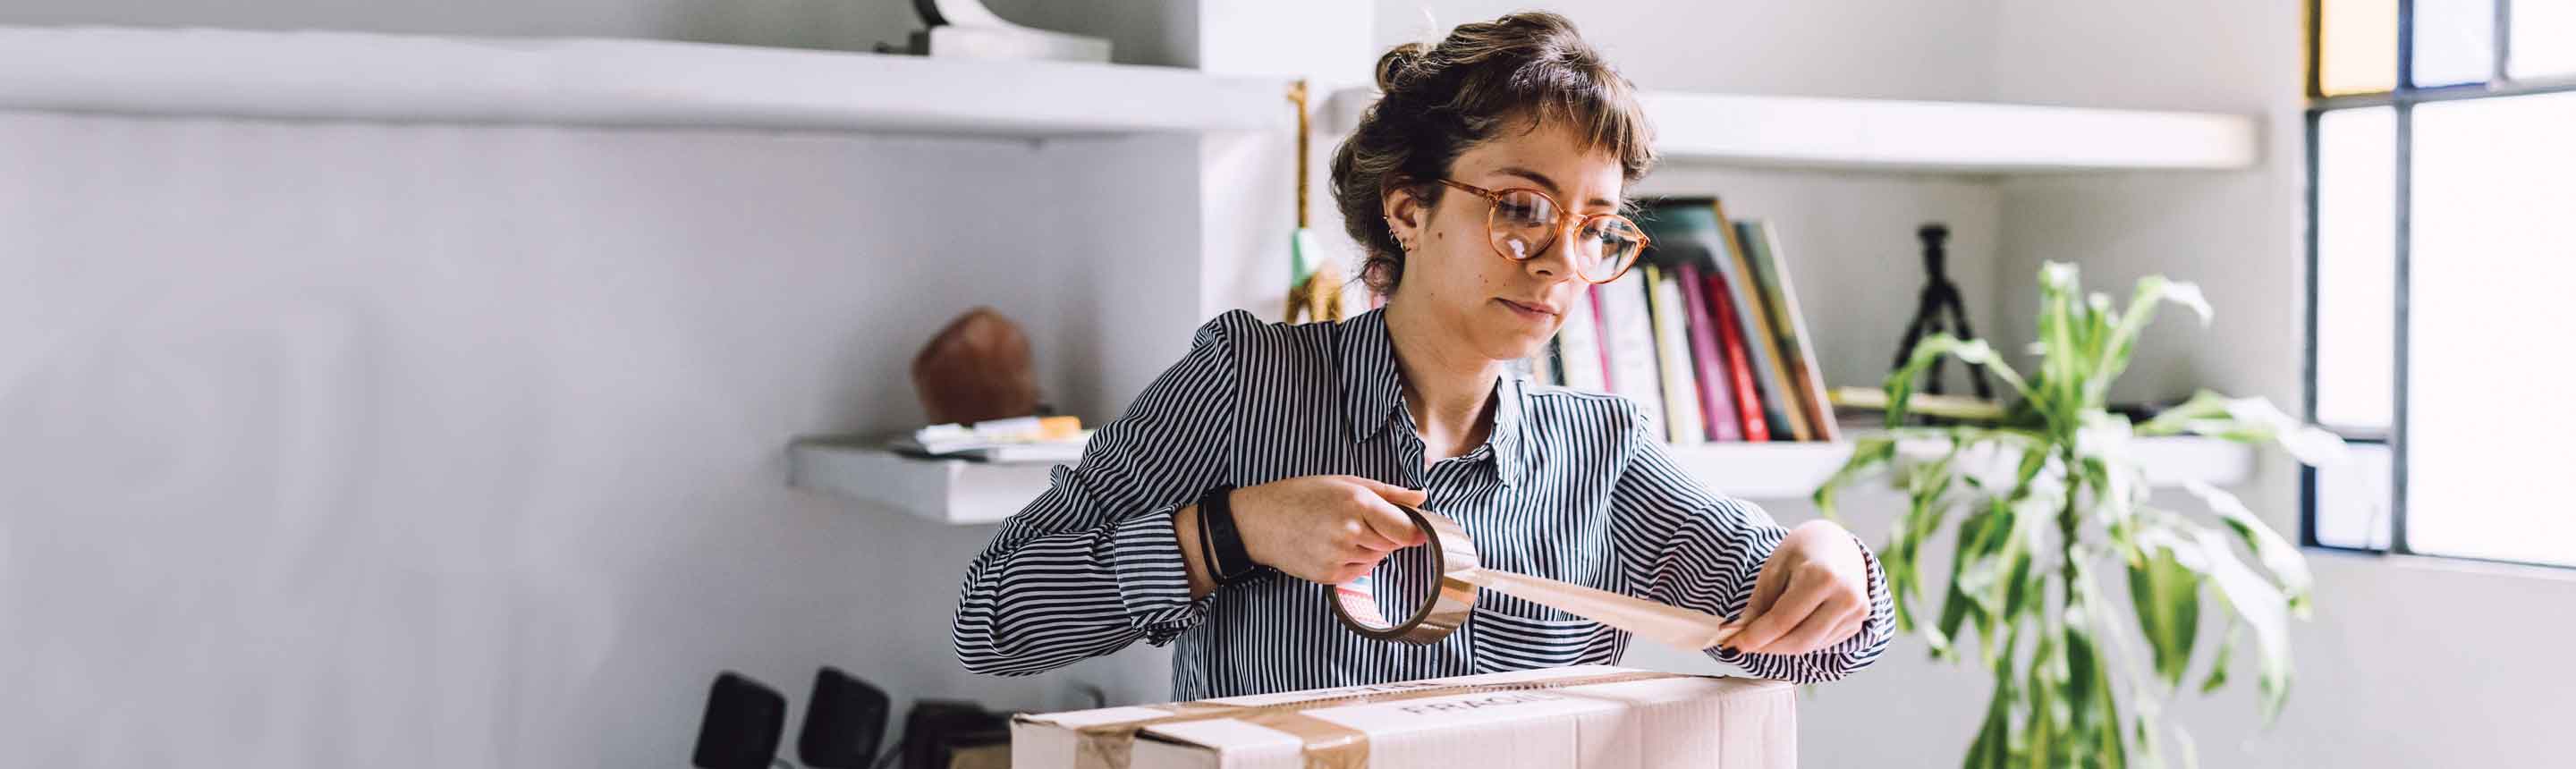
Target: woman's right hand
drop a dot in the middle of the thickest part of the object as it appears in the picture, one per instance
(1324, 528)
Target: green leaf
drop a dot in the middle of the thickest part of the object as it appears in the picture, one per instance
(1992, 748)
(2203, 405)
(2289, 569)
(2265, 612)
(1900, 383)
(2166, 597)
(2142, 309)
(1866, 453)
(2060, 356)
(2218, 664)
(2248, 420)
(2047, 717)
(1926, 488)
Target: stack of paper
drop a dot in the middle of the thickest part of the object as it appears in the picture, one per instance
(1020, 439)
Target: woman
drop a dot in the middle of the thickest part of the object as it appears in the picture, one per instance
(1485, 185)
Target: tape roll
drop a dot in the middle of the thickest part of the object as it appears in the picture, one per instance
(1446, 608)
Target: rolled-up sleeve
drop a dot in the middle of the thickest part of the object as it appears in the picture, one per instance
(1686, 546)
(1093, 564)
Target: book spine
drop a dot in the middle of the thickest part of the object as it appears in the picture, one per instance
(1628, 335)
(1578, 345)
(1683, 425)
(1806, 374)
(1716, 385)
(1748, 401)
(1778, 408)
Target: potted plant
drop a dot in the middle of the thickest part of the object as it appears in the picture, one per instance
(2050, 510)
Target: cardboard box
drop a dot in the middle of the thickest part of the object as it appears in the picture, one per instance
(1592, 717)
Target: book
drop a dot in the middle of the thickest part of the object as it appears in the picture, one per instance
(1694, 230)
(1739, 366)
(1779, 400)
(1628, 339)
(1789, 329)
(1716, 384)
(1683, 425)
(1578, 346)
(1950, 406)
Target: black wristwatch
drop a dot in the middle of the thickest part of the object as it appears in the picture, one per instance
(1221, 543)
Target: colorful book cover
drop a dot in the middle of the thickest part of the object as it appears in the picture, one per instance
(1779, 397)
(1694, 231)
(1628, 335)
(1730, 340)
(1806, 375)
(1578, 346)
(1716, 385)
(1683, 425)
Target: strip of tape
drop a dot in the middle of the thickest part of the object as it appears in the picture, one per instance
(1453, 599)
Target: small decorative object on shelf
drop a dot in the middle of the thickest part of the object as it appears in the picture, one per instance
(1315, 279)
(1940, 297)
(2079, 675)
(965, 29)
(977, 369)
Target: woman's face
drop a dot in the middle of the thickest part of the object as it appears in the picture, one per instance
(1495, 307)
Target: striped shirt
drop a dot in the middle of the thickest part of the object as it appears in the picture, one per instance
(1568, 485)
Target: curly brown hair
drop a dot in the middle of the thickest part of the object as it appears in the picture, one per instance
(1439, 100)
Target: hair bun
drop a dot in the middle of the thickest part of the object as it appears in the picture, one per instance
(1399, 65)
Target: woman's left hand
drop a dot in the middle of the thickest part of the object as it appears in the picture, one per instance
(1813, 593)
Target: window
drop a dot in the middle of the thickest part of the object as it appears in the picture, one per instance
(2442, 276)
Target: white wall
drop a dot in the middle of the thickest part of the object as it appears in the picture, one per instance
(347, 444)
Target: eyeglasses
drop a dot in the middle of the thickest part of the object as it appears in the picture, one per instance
(1523, 222)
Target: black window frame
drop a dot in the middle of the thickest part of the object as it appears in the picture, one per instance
(2401, 98)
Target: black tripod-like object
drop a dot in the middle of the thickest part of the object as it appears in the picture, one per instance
(1940, 297)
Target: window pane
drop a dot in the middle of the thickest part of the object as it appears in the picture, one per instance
(2353, 498)
(2454, 41)
(2493, 255)
(2356, 267)
(2357, 46)
(2544, 38)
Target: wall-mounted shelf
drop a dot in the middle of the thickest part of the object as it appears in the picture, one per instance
(1924, 136)
(943, 490)
(602, 82)
(960, 492)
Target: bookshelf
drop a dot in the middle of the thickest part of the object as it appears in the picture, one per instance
(971, 493)
(605, 82)
(1895, 135)
(329, 75)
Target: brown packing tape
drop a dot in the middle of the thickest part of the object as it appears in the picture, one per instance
(1327, 745)
(1453, 555)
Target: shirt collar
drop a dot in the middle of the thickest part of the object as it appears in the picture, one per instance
(1373, 397)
